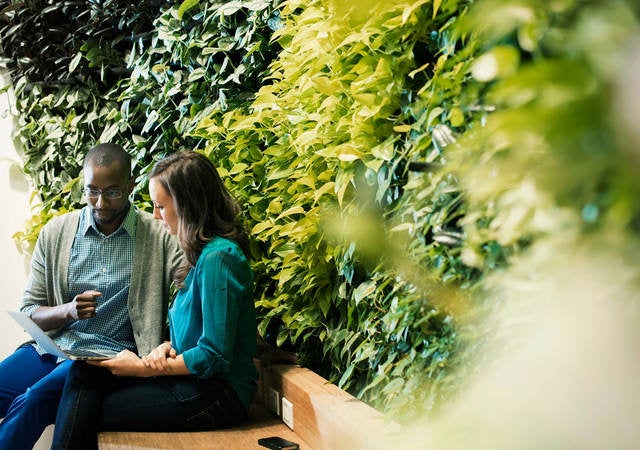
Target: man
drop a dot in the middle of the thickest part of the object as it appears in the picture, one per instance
(99, 276)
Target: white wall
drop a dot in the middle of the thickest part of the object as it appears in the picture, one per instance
(14, 194)
(14, 267)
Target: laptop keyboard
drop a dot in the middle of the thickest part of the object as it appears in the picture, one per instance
(83, 352)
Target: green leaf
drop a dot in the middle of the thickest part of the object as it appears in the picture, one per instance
(185, 6)
(196, 74)
(364, 290)
(74, 62)
(456, 117)
(436, 7)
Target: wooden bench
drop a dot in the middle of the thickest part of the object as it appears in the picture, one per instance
(261, 424)
(323, 417)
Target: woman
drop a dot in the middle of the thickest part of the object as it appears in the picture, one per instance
(204, 377)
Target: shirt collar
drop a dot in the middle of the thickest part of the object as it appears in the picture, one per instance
(88, 223)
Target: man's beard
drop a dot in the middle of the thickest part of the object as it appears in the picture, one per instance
(108, 218)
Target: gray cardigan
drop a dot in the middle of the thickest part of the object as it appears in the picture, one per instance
(155, 258)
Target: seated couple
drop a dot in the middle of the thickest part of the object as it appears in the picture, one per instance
(102, 276)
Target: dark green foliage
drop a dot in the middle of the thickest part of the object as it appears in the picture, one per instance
(42, 40)
(134, 75)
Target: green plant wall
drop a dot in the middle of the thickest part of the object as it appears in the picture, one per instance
(322, 158)
(392, 158)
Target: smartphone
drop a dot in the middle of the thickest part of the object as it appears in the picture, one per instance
(278, 443)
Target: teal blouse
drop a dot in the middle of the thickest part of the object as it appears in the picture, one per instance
(212, 319)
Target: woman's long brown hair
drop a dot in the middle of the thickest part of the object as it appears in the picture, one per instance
(204, 206)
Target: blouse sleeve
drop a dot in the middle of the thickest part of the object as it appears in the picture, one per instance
(223, 283)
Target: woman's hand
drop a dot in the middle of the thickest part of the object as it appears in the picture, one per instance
(125, 364)
(157, 359)
(161, 361)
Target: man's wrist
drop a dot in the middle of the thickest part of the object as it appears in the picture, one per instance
(68, 313)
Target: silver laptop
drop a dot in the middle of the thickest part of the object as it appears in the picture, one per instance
(49, 345)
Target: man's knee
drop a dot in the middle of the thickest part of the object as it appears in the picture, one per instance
(7, 397)
(40, 396)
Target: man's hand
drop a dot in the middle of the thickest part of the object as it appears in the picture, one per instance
(125, 364)
(83, 306)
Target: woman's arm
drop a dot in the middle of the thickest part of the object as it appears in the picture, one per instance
(128, 364)
(223, 280)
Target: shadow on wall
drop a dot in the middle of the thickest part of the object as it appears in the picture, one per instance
(17, 179)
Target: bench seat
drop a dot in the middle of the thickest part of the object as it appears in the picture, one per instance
(261, 424)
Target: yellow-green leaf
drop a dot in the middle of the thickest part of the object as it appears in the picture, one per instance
(402, 128)
(186, 6)
(291, 211)
(260, 227)
(436, 7)
(456, 117)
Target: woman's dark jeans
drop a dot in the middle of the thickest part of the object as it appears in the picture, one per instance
(94, 400)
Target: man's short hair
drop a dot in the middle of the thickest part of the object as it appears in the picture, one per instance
(105, 154)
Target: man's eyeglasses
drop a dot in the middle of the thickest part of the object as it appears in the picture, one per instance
(108, 194)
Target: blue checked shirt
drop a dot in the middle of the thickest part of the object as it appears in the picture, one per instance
(102, 263)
